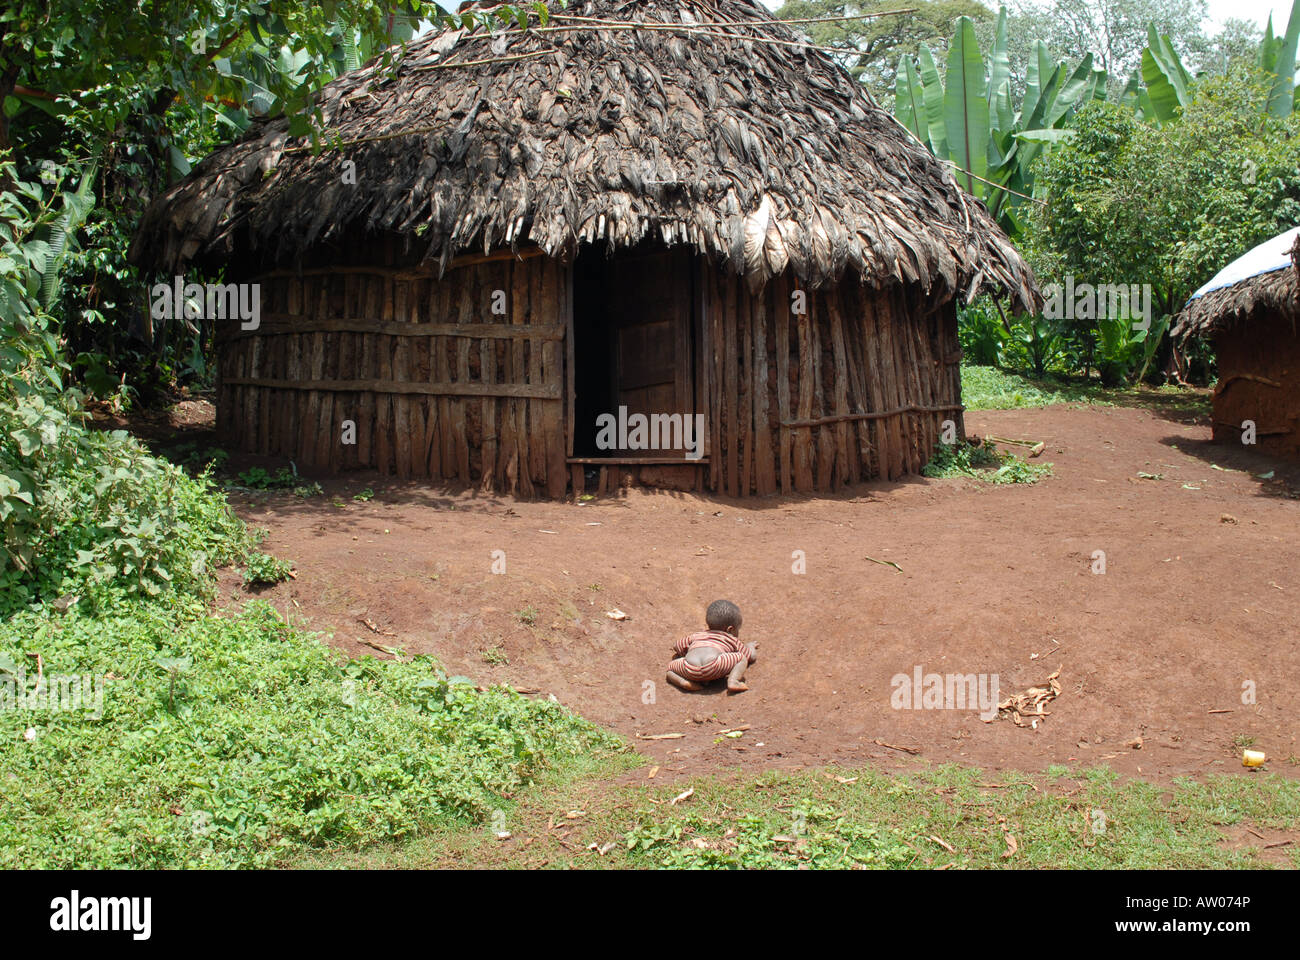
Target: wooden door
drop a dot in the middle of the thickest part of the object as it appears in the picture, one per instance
(650, 305)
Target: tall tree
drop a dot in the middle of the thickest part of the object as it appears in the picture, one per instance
(1113, 31)
(877, 42)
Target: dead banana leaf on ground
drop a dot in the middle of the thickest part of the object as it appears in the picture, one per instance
(1026, 707)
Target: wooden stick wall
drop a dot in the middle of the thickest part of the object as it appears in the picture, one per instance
(437, 385)
(850, 384)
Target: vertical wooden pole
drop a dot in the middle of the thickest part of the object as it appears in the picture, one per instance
(764, 461)
(557, 475)
(747, 382)
(781, 312)
(730, 385)
(803, 436)
(845, 470)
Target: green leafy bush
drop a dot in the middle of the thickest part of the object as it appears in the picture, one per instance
(237, 742)
(264, 568)
(982, 462)
(259, 478)
(981, 334)
(82, 511)
(85, 510)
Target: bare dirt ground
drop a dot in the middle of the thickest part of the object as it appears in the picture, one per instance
(1199, 597)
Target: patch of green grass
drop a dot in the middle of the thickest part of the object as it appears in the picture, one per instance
(866, 818)
(982, 462)
(364, 495)
(527, 616)
(991, 388)
(494, 655)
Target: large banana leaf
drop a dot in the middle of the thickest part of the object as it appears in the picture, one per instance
(1162, 94)
(1268, 48)
(999, 61)
(1166, 79)
(966, 108)
(1075, 90)
(909, 99)
(1099, 81)
(1168, 59)
(1003, 116)
(1281, 97)
(933, 92)
(1035, 116)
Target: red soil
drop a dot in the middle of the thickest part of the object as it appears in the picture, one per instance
(1199, 597)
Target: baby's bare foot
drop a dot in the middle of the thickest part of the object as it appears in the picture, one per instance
(737, 686)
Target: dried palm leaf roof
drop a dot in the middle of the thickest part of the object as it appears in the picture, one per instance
(1275, 292)
(735, 138)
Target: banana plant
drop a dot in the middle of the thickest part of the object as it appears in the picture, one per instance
(1167, 80)
(966, 109)
(969, 119)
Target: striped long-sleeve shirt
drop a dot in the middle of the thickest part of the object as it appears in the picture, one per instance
(731, 651)
(721, 641)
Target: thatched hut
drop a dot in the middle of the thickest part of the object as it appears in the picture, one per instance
(1250, 311)
(703, 216)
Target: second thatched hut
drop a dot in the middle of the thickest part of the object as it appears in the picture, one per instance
(1251, 311)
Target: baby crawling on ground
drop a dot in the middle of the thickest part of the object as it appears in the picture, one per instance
(714, 653)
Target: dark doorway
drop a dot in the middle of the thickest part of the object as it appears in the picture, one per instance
(633, 342)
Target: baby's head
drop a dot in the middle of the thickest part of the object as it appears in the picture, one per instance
(724, 616)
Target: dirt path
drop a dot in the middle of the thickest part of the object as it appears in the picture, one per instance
(1199, 597)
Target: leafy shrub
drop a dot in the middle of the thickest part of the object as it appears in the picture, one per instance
(958, 459)
(981, 334)
(258, 478)
(85, 510)
(264, 568)
(1040, 339)
(982, 462)
(237, 742)
(82, 511)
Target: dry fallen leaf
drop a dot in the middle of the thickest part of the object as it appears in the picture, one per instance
(616, 614)
(652, 773)
(1012, 847)
(1027, 705)
(686, 795)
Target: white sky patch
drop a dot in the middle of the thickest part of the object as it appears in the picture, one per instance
(1220, 10)
(1256, 10)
